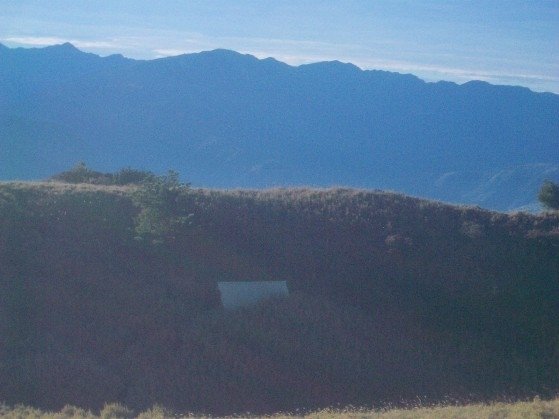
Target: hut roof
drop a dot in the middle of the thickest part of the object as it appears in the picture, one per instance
(246, 293)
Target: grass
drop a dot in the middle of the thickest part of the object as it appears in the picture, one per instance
(392, 299)
(542, 409)
(55, 187)
(534, 409)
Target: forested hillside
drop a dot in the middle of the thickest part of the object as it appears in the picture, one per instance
(391, 298)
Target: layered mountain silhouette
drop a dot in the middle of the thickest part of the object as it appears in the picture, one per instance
(223, 119)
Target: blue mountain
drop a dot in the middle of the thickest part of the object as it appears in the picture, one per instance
(224, 119)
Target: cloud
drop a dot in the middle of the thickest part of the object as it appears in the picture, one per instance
(454, 72)
(166, 52)
(35, 41)
(41, 41)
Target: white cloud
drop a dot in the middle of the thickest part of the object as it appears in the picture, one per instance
(170, 52)
(41, 41)
(453, 72)
(35, 41)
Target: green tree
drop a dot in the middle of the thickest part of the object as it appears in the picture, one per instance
(549, 195)
(161, 214)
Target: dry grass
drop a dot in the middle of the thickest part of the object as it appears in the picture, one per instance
(525, 410)
(53, 187)
(520, 410)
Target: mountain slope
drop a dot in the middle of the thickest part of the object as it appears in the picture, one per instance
(391, 298)
(229, 120)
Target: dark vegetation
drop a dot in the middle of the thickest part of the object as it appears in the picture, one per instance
(80, 173)
(549, 195)
(161, 216)
(392, 298)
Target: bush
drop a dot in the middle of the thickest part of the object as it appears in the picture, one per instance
(129, 176)
(80, 173)
(116, 411)
(158, 412)
(160, 213)
(549, 195)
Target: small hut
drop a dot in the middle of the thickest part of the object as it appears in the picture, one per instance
(246, 293)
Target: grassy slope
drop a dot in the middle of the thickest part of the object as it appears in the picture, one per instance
(392, 298)
(535, 409)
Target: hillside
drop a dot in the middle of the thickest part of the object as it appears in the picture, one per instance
(229, 120)
(392, 299)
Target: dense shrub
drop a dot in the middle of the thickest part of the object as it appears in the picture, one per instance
(549, 195)
(392, 298)
(161, 217)
(129, 176)
(82, 174)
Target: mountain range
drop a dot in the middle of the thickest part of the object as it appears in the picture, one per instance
(228, 120)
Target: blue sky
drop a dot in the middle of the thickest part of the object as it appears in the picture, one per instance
(500, 41)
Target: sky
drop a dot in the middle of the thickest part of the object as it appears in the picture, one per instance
(512, 42)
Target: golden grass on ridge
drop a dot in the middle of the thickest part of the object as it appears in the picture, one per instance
(536, 409)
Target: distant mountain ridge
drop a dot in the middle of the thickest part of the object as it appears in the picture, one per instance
(224, 119)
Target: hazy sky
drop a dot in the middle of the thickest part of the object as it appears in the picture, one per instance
(500, 41)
